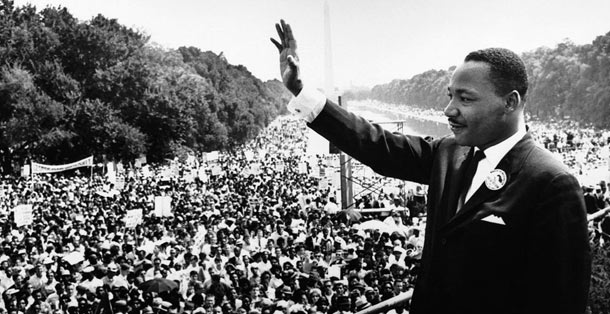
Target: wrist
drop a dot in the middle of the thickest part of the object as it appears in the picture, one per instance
(296, 88)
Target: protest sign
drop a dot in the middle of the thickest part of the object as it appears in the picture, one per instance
(315, 170)
(23, 215)
(140, 161)
(302, 168)
(212, 156)
(216, 170)
(119, 183)
(167, 174)
(163, 206)
(323, 184)
(255, 168)
(133, 218)
(25, 171)
(191, 161)
(262, 153)
(334, 271)
(202, 175)
(120, 168)
(146, 173)
(188, 176)
(249, 155)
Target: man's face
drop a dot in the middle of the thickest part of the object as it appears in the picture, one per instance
(477, 116)
(209, 301)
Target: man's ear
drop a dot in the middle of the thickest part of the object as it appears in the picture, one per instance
(512, 101)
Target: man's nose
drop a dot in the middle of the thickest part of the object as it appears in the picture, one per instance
(451, 110)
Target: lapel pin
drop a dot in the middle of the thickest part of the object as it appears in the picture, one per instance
(496, 179)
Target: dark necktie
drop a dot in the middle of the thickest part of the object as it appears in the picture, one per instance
(471, 169)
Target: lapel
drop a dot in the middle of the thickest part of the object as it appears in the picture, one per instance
(511, 163)
(451, 191)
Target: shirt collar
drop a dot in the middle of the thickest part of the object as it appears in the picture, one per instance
(495, 153)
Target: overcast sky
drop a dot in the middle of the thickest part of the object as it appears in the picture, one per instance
(373, 41)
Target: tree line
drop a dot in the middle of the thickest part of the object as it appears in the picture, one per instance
(566, 82)
(70, 89)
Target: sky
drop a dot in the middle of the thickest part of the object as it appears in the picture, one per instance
(373, 41)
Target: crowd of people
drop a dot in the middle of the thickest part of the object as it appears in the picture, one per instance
(258, 230)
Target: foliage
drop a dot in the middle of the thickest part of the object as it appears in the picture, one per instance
(567, 81)
(71, 88)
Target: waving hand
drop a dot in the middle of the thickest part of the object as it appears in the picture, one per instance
(289, 60)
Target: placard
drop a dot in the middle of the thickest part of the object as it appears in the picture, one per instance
(23, 215)
(163, 206)
(212, 156)
(302, 168)
(133, 218)
(249, 155)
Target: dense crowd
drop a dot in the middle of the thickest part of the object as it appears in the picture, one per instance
(257, 230)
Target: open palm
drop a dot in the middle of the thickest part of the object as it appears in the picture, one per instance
(289, 67)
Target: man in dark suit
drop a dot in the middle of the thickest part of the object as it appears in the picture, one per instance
(506, 228)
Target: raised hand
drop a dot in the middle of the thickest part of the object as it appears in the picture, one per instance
(289, 60)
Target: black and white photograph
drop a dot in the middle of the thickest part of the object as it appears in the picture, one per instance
(304, 157)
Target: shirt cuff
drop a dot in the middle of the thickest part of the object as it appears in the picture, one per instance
(308, 104)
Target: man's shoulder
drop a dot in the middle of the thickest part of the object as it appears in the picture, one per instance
(545, 170)
(447, 147)
(540, 160)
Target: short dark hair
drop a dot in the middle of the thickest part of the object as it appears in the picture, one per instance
(507, 70)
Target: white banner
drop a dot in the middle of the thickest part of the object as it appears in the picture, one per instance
(23, 215)
(41, 168)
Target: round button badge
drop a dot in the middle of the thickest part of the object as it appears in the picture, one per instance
(496, 179)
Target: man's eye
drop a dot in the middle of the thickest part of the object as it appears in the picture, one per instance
(466, 99)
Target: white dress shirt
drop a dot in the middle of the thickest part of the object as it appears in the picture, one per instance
(493, 155)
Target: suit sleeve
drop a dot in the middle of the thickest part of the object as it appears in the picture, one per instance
(389, 154)
(559, 258)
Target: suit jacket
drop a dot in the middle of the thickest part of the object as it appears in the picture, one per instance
(537, 262)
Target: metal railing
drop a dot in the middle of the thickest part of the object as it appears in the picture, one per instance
(388, 304)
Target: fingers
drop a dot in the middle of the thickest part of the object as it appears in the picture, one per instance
(277, 45)
(280, 32)
(289, 40)
(286, 37)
